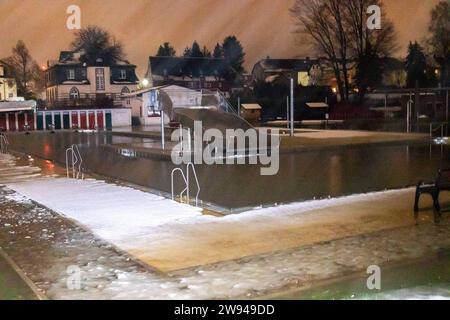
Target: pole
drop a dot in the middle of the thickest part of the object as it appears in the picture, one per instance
(287, 112)
(446, 111)
(239, 106)
(292, 107)
(385, 106)
(162, 130)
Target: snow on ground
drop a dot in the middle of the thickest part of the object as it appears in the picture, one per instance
(112, 212)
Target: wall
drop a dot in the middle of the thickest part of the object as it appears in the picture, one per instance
(121, 117)
(7, 91)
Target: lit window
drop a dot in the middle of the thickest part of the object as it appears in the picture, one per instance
(100, 79)
(74, 94)
(123, 74)
(71, 74)
(125, 90)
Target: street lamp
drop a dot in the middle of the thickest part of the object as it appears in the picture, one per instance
(145, 83)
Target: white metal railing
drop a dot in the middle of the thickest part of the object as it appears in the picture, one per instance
(185, 177)
(172, 184)
(74, 160)
(191, 165)
(3, 143)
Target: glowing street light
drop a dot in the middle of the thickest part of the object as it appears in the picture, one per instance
(145, 82)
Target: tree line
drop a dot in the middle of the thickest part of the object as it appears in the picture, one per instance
(231, 51)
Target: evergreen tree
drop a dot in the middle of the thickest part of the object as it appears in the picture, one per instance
(166, 50)
(205, 52)
(187, 52)
(234, 55)
(416, 66)
(218, 52)
(368, 71)
(196, 52)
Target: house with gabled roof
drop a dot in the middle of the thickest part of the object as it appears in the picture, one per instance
(72, 83)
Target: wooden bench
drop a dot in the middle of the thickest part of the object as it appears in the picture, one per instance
(441, 183)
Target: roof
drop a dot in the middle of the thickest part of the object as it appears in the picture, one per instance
(145, 90)
(74, 58)
(9, 106)
(251, 106)
(317, 105)
(186, 66)
(280, 65)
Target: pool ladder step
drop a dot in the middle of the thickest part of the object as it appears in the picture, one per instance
(185, 177)
(74, 162)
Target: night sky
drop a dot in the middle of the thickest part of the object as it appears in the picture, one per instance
(263, 26)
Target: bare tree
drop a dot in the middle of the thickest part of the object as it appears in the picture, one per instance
(321, 21)
(440, 39)
(338, 29)
(25, 70)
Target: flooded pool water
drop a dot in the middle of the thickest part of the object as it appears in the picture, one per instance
(428, 279)
(304, 175)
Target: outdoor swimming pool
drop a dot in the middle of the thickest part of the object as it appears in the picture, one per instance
(305, 175)
(429, 279)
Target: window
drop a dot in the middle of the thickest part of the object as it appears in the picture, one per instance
(125, 90)
(74, 94)
(208, 85)
(71, 74)
(123, 74)
(100, 79)
(83, 74)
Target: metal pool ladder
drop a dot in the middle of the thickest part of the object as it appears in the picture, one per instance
(189, 167)
(74, 160)
(3, 143)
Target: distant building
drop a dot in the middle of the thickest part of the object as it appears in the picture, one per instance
(71, 83)
(192, 73)
(306, 72)
(8, 86)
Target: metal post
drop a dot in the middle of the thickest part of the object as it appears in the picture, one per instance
(163, 144)
(292, 107)
(446, 111)
(181, 137)
(287, 112)
(189, 140)
(239, 106)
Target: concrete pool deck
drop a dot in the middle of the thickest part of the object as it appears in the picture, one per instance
(303, 138)
(169, 241)
(277, 229)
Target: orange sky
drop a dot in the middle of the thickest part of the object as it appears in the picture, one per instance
(263, 26)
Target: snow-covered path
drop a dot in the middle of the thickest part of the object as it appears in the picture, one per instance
(114, 213)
